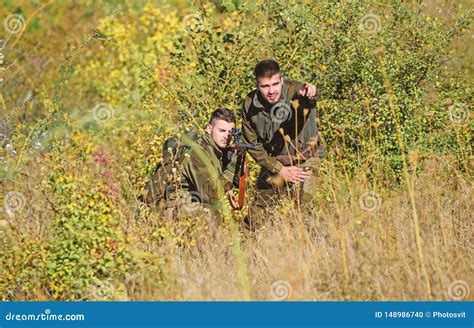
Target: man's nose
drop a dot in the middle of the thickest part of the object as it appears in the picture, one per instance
(271, 89)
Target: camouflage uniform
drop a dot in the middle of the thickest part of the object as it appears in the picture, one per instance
(288, 127)
(208, 171)
(203, 176)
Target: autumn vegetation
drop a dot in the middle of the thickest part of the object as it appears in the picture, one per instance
(91, 90)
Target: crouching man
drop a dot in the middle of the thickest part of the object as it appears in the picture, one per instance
(196, 171)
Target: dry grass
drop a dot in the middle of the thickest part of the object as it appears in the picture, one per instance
(357, 242)
(336, 250)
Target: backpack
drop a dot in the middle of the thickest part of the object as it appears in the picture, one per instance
(164, 180)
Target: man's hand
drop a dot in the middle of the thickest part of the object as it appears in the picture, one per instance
(307, 90)
(293, 174)
(233, 203)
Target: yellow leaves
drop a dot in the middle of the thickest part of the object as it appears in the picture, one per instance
(150, 12)
(231, 22)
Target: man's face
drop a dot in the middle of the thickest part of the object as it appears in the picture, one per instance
(220, 132)
(270, 88)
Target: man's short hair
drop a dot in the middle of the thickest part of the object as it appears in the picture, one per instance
(222, 114)
(266, 68)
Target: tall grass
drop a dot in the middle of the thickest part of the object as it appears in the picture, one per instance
(86, 115)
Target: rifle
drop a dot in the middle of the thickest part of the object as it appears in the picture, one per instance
(242, 169)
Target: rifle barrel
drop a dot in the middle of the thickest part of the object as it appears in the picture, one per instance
(245, 145)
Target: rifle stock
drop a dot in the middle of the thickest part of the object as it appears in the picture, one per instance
(244, 174)
(241, 175)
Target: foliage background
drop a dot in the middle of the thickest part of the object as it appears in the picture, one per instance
(92, 89)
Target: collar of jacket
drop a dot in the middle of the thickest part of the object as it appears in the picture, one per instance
(258, 102)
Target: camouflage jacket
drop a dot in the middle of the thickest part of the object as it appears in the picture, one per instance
(207, 172)
(286, 128)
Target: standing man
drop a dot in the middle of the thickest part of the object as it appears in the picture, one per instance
(279, 117)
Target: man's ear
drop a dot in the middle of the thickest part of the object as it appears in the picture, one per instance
(209, 129)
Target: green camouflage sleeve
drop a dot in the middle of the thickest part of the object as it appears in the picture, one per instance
(260, 155)
(202, 175)
(228, 172)
(208, 183)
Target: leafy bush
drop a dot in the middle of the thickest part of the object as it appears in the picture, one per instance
(133, 75)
